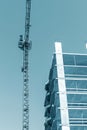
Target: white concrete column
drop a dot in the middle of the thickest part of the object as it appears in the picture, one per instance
(62, 87)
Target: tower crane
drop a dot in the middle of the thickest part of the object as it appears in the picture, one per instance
(25, 45)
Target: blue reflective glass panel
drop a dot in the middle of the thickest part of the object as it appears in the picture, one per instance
(75, 70)
(78, 127)
(81, 60)
(54, 60)
(77, 113)
(77, 98)
(70, 59)
(81, 84)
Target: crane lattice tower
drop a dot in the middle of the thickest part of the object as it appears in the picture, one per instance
(25, 46)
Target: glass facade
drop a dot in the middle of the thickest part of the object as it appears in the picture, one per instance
(66, 92)
(75, 69)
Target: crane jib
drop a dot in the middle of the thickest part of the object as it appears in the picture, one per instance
(27, 19)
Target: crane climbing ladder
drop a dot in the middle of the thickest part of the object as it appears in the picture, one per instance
(25, 46)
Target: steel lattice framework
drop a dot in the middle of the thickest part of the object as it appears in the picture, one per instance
(25, 46)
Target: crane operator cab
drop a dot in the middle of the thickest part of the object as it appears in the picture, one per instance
(22, 44)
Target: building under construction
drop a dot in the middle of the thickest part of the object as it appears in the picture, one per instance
(66, 92)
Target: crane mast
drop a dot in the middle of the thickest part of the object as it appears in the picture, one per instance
(25, 46)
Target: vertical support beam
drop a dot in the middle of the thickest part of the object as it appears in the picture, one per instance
(62, 88)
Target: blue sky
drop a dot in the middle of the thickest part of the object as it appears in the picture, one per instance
(51, 20)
